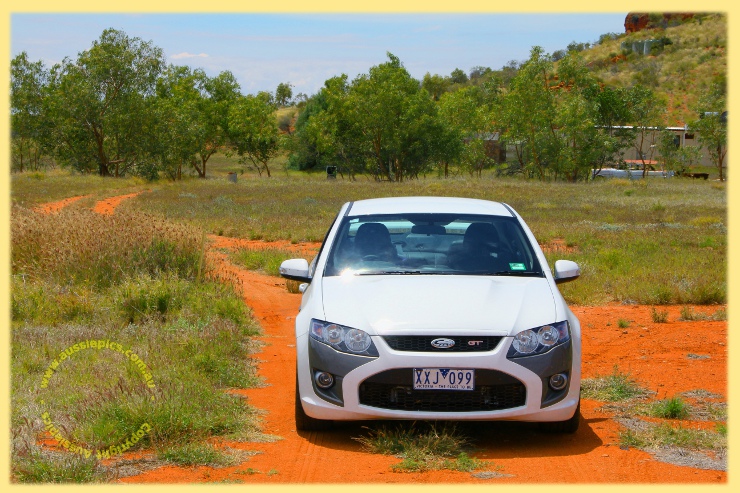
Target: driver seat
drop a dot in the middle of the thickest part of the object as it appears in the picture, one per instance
(479, 250)
(374, 239)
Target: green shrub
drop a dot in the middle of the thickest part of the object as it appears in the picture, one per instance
(672, 408)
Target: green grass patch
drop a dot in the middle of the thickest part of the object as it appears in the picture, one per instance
(721, 428)
(423, 447)
(198, 454)
(55, 467)
(615, 387)
(623, 323)
(671, 408)
(267, 260)
(651, 436)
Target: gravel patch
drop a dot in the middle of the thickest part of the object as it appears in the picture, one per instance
(690, 458)
(715, 460)
(491, 475)
(697, 356)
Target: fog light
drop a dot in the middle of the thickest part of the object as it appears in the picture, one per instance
(559, 381)
(323, 379)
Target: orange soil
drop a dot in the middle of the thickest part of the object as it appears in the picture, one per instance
(105, 206)
(108, 206)
(51, 207)
(655, 354)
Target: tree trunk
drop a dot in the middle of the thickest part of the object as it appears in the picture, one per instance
(720, 158)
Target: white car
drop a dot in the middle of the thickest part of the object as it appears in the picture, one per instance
(434, 309)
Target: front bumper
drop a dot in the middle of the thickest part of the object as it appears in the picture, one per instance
(381, 388)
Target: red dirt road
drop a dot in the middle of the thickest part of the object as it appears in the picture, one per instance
(108, 206)
(51, 207)
(654, 354)
(667, 358)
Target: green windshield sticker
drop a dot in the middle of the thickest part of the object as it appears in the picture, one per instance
(517, 267)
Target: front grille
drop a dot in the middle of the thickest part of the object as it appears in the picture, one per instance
(393, 390)
(463, 344)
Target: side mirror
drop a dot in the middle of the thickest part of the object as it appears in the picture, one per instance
(566, 271)
(295, 269)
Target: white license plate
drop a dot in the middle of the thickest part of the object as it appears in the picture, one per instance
(444, 379)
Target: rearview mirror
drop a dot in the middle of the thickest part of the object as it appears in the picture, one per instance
(566, 271)
(295, 269)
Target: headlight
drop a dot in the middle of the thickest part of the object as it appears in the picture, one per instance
(341, 338)
(539, 340)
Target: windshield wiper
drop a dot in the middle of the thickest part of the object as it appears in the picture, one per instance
(522, 273)
(390, 272)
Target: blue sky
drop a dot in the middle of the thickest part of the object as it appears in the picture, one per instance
(262, 50)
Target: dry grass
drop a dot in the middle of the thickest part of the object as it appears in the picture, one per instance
(648, 247)
(131, 279)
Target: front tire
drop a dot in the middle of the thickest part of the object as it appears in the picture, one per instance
(304, 422)
(567, 426)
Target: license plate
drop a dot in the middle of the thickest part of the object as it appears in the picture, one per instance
(444, 379)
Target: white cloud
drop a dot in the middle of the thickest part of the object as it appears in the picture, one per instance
(185, 54)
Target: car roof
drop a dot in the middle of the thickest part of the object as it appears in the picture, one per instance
(420, 205)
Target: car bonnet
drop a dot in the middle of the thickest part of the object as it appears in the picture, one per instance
(438, 304)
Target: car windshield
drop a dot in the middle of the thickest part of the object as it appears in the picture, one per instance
(431, 244)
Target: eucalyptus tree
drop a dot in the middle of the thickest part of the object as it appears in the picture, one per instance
(396, 121)
(528, 114)
(559, 119)
(97, 105)
(213, 109)
(178, 118)
(583, 120)
(28, 82)
(303, 151)
(334, 135)
(646, 113)
(284, 94)
(436, 85)
(253, 131)
(712, 124)
(675, 157)
(470, 119)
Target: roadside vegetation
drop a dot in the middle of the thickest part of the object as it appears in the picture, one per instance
(423, 447)
(663, 430)
(266, 260)
(615, 387)
(136, 281)
(629, 248)
(37, 187)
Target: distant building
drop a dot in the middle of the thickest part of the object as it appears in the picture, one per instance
(683, 136)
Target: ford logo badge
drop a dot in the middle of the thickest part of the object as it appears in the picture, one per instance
(443, 343)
